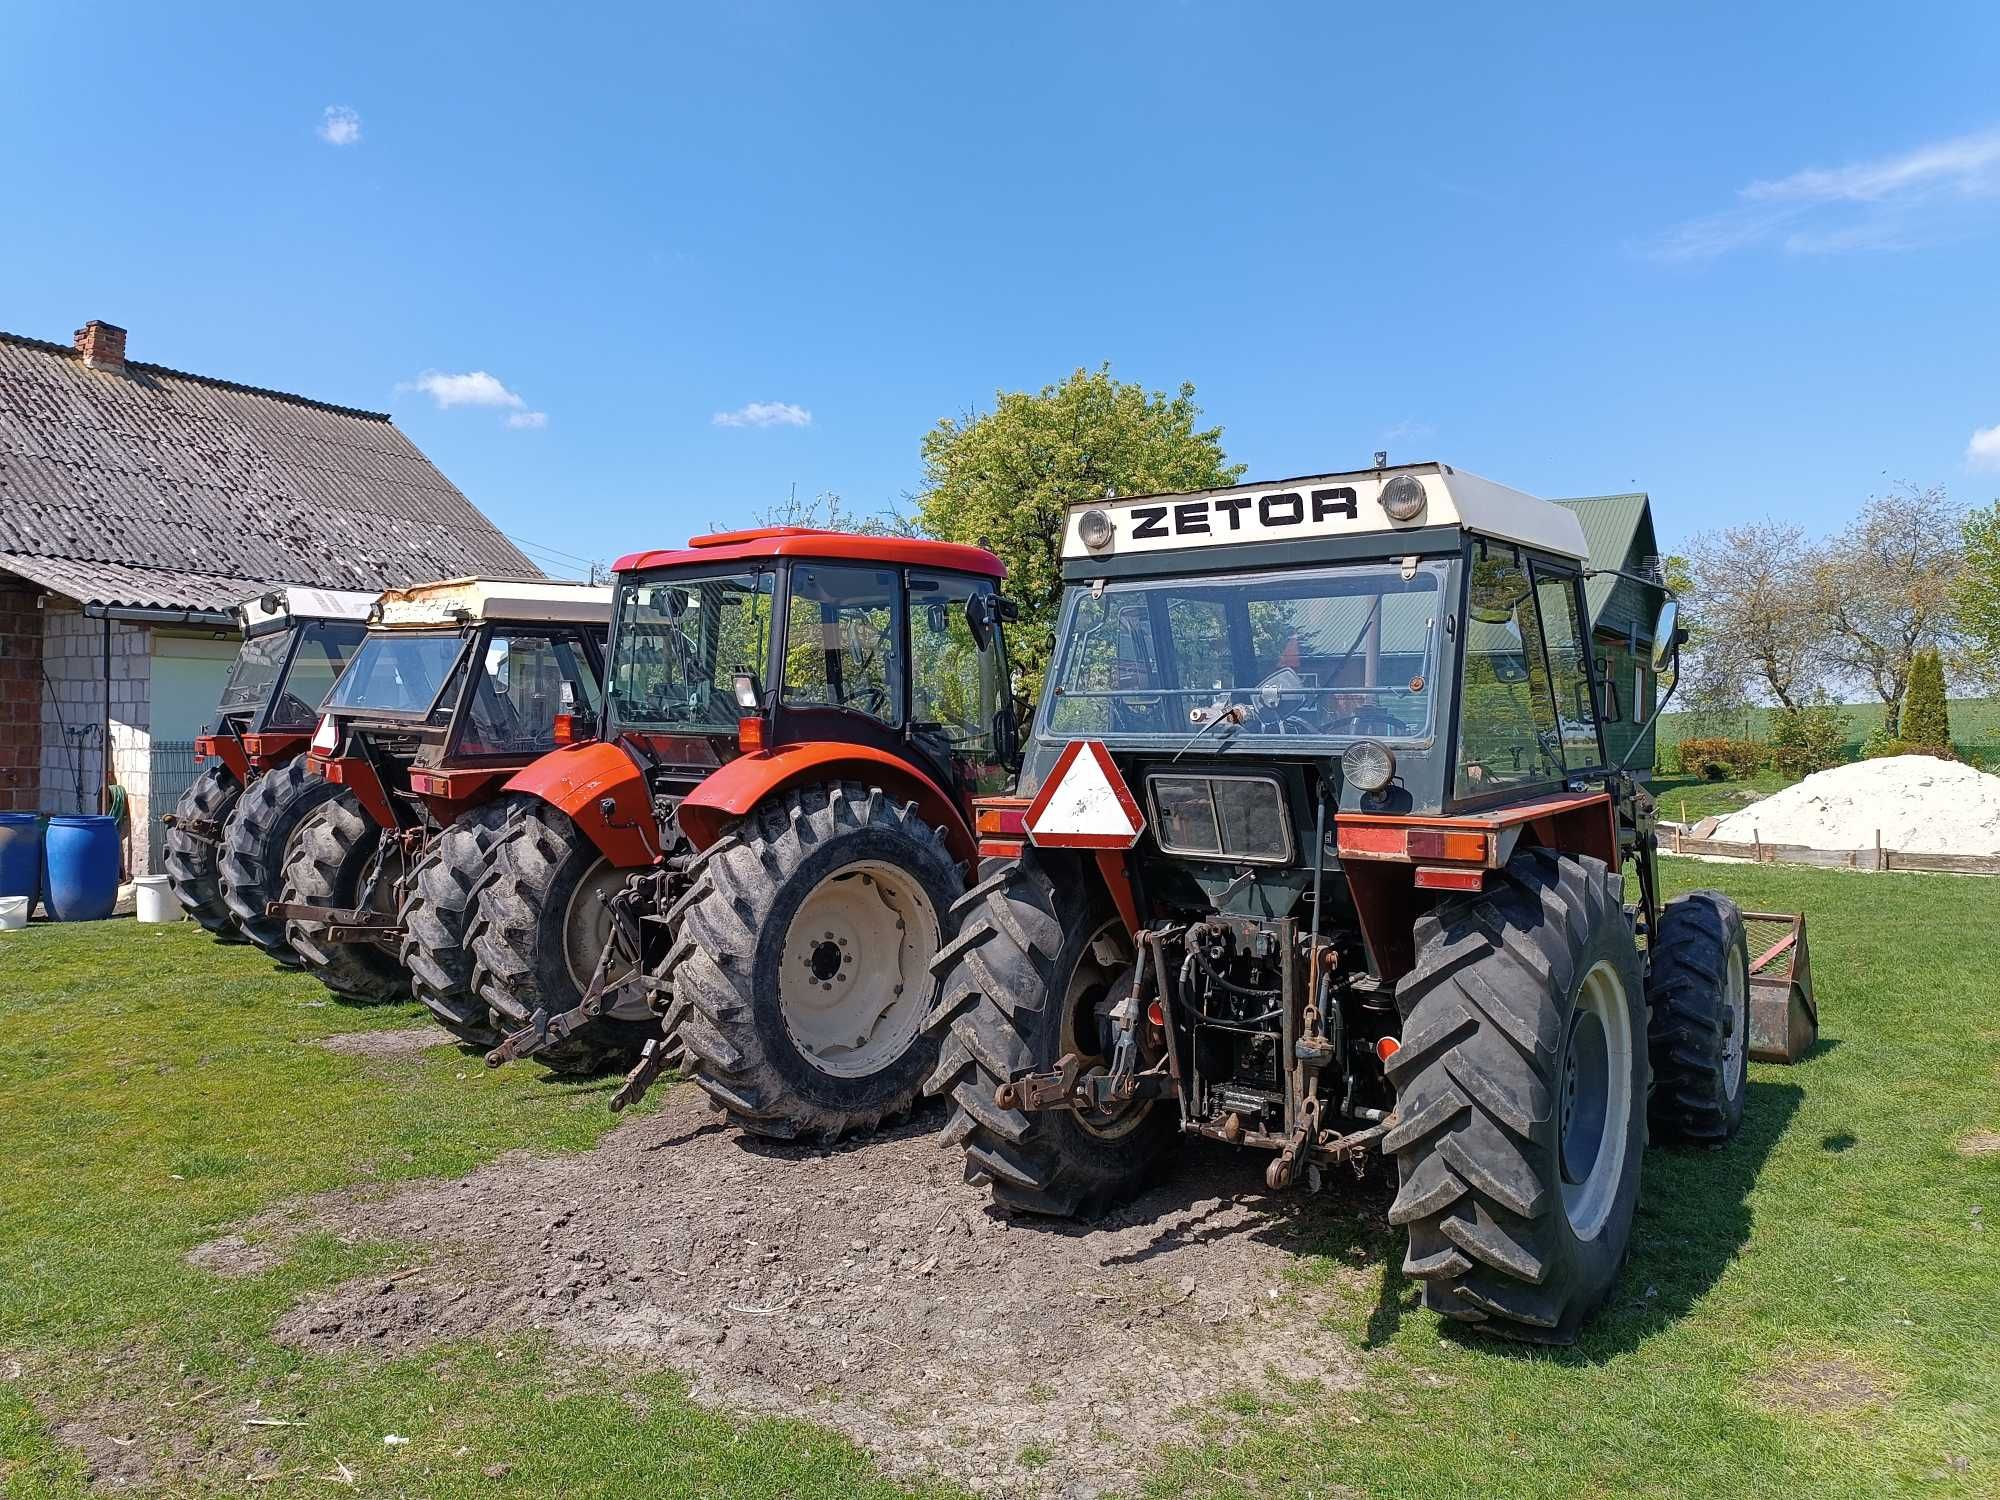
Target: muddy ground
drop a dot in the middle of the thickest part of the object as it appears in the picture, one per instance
(870, 1289)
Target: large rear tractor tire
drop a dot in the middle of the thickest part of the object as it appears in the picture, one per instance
(1521, 1099)
(800, 970)
(332, 862)
(437, 923)
(192, 859)
(1700, 1029)
(255, 843)
(538, 927)
(1034, 963)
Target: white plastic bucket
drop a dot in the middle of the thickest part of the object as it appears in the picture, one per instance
(153, 902)
(13, 912)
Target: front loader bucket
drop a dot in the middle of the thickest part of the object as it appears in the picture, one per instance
(1784, 1020)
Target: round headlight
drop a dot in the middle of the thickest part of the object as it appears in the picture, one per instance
(1368, 764)
(1095, 529)
(1403, 497)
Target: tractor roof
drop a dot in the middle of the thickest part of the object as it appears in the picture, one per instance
(455, 601)
(765, 542)
(1318, 507)
(291, 603)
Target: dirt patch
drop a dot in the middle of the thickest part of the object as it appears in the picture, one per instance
(401, 1043)
(1822, 1386)
(868, 1288)
(1979, 1143)
(232, 1255)
(112, 1462)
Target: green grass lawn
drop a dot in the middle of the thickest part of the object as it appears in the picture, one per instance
(1810, 1312)
(1975, 727)
(1689, 799)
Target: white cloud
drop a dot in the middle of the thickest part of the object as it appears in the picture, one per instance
(476, 388)
(1409, 430)
(765, 414)
(339, 125)
(1983, 452)
(1900, 202)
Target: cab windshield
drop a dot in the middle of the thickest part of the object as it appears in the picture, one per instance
(1324, 654)
(324, 647)
(399, 673)
(678, 644)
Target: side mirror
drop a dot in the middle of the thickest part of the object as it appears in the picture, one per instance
(1668, 633)
(981, 614)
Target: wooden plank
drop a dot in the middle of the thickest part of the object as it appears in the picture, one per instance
(1760, 852)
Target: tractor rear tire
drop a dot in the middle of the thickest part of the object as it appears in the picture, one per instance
(193, 874)
(535, 935)
(1027, 956)
(255, 842)
(815, 916)
(1700, 1030)
(437, 923)
(1521, 1098)
(328, 861)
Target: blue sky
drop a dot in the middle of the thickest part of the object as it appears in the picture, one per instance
(1742, 257)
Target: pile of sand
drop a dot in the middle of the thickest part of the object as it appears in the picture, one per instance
(1916, 803)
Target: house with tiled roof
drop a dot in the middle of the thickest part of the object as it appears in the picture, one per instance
(138, 504)
(1618, 530)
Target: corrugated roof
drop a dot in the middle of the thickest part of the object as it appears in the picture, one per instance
(187, 478)
(1618, 529)
(133, 588)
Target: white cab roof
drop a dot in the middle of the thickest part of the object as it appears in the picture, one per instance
(289, 602)
(1324, 505)
(452, 601)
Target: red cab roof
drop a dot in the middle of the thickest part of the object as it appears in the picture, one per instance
(763, 542)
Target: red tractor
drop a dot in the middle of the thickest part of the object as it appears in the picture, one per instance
(296, 642)
(795, 724)
(458, 685)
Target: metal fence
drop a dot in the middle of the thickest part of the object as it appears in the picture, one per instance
(172, 772)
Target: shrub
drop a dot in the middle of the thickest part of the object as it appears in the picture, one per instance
(1722, 760)
(1809, 739)
(1880, 749)
(1926, 720)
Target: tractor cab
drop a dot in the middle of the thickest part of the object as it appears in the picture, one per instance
(1317, 849)
(296, 643)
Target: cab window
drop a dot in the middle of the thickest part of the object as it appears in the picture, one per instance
(1569, 673)
(1507, 730)
(840, 640)
(521, 682)
(958, 689)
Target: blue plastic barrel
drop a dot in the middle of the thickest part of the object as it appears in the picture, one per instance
(21, 856)
(80, 868)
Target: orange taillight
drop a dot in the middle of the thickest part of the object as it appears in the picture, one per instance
(750, 734)
(565, 729)
(1440, 843)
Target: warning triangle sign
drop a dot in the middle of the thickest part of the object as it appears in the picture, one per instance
(1085, 803)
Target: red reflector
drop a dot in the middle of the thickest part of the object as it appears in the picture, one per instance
(1380, 843)
(1431, 878)
(1007, 820)
(1155, 1014)
(1387, 1048)
(1001, 848)
(750, 735)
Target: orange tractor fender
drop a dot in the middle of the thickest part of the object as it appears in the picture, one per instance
(733, 790)
(577, 778)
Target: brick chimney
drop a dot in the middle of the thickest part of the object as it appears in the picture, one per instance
(102, 346)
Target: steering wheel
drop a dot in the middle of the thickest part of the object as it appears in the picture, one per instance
(1369, 721)
(871, 700)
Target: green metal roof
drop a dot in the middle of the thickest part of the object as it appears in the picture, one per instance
(1618, 530)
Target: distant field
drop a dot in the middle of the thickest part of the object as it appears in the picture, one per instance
(1975, 726)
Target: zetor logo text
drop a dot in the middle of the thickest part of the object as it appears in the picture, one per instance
(1225, 513)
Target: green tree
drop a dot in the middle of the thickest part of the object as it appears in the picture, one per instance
(1005, 478)
(1976, 597)
(1926, 721)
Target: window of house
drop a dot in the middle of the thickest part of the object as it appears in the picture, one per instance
(840, 640)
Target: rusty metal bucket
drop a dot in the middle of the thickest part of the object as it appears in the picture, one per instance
(1784, 1020)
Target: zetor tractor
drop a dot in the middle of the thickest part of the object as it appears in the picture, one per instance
(458, 685)
(296, 641)
(795, 724)
(1318, 850)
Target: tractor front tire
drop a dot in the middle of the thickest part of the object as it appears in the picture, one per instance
(192, 860)
(255, 843)
(536, 934)
(1700, 1029)
(1521, 1086)
(801, 962)
(437, 923)
(329, 859)
(1030, 952)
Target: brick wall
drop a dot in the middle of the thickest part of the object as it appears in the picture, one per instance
(73, 715)
(20, 700)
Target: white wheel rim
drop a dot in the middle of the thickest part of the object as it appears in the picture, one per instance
(856, 969)
(586, 929)
(1736, 1044)
(1596, 1070)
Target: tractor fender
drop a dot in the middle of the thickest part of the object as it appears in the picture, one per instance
(577, 778)
(729, 793)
